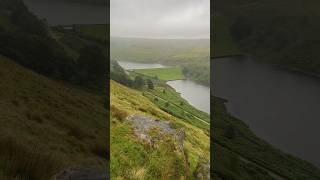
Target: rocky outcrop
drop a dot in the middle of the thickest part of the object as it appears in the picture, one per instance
(143, 125)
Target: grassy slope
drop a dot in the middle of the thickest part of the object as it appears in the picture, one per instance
(178, 106)
(166, 74)
(243, 142)
(130, 157)
(48, 125)
(167, 99)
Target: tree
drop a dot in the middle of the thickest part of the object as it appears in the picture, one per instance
(241, 28)
(230, 132)
(138, 82)
(150, 84)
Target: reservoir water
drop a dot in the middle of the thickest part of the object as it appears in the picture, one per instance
(65, 13)
(280, 106)
(196, 94)
(134, 65)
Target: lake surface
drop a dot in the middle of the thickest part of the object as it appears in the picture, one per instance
(280, 106)
(133, 65)
(197, 95)
(65, 13)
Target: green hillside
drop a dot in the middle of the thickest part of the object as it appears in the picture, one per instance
(47, 126)
(132, 157)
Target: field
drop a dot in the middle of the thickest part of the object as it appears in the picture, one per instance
(166, 74)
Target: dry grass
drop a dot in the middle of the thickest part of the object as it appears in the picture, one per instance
(118, 113)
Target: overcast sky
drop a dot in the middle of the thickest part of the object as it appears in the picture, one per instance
(160, 18)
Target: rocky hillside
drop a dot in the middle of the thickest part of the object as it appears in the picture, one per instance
(148, 143)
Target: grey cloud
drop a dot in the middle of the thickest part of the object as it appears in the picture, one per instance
(160, 18)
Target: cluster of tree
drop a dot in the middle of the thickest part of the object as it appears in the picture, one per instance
(28, 42)
(198, 73)
(118, 74)
(288, 40)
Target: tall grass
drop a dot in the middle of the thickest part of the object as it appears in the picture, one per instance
(118, 113)
(24, 160)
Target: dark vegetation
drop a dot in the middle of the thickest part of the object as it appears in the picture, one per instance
(198, 73)
(32, 44)
(118, 74)
(280, 32)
